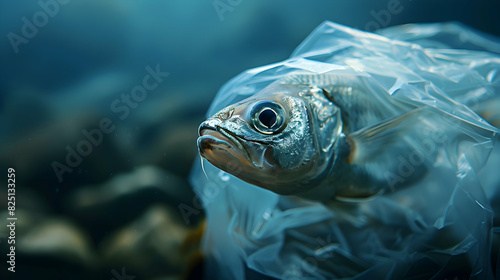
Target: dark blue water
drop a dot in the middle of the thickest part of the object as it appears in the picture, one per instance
(72, 69)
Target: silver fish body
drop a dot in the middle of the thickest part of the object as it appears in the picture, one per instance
(303, 135)
(350, 115)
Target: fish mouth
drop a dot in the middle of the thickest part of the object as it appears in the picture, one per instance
(221, 147)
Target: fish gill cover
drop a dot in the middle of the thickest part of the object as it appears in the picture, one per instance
(442, 226)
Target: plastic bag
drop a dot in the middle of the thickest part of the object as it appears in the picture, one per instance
(440, 227)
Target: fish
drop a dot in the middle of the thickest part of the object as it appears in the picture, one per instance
(321, 137)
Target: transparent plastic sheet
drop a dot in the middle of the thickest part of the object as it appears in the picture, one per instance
(439, 227)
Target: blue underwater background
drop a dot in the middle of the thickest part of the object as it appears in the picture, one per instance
(99, 108)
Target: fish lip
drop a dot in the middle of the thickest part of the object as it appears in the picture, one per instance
(204, 125)
(233, 138)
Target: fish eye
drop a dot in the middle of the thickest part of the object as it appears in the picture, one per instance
(268, 117)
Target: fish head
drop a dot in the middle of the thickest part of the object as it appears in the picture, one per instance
(280, 139)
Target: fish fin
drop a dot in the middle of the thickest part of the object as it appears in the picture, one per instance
(370, 143)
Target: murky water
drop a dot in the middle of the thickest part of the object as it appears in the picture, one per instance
(99, 108)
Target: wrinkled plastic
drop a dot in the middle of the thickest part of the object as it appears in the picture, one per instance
(440, 227)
